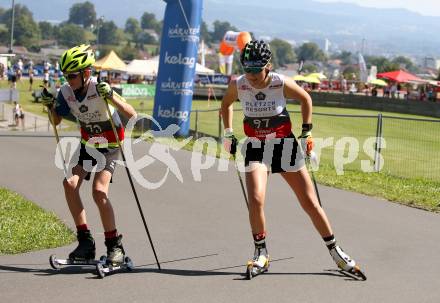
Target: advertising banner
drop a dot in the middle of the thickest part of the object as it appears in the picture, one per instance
(217, 79)
(137, 90)
(177, 64)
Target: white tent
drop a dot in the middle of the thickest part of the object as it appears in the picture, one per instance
(200, 69)
(143, 67)
(150, 68)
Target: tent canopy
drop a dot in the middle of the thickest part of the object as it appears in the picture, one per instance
(143, 67)
(399, 76)
(110, 62)
(151, 67)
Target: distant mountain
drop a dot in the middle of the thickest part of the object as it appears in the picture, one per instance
(383, 30)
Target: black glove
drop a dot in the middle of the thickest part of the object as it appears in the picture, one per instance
(47, 98)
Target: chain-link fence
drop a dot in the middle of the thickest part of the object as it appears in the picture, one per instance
(410, 147)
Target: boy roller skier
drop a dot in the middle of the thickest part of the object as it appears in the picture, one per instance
(85, 98)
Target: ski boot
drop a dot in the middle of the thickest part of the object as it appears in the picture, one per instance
(259, 264)
(83, 254)
(346, 264)
(115, 259)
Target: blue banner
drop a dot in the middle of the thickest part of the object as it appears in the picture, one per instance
(177, 65)
(218, 79)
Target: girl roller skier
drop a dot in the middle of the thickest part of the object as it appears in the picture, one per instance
(271, 146)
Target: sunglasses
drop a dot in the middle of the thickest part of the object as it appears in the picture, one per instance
(71, 76)
(253, 70)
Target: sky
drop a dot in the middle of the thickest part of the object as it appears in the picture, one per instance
(424, 7)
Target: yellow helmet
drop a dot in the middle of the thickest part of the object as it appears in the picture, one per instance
(77, 58)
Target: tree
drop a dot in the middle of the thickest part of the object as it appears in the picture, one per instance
(26, 30)
(2, 15)
(345, 57)
(132, 27)
(382, 63)
(47, 30)
(282, 52)
(148, 21)
(205, 35)
(351, 73)
(129, 52)
(70, 35)
(145, 38)
(405, 63)
(82, 13)
(108, 33)
(4, 35)
(310, 51)
(220, 28)
(309, 68)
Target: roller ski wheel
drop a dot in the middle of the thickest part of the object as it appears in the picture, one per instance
(100, 270)
(56, 263)
(104, 268)
(253, 271)
(355, 273)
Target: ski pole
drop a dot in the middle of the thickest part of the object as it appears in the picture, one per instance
(241, 181)
(310, 168)
(131, 181)
(57, 138)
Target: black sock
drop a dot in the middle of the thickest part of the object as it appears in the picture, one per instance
(260, 240)
(330, 241)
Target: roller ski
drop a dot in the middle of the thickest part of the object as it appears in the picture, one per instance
(347, 266)
(259, 264)
(82, 255)
(115, 259)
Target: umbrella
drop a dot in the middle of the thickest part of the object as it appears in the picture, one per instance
(309, 79)
(320, 76)
(399, 76)
(299, 78)
(378, 82)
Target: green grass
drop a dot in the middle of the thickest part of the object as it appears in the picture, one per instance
(26, 227)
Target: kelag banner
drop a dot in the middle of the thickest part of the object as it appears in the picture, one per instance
(218, 79)
(178, 58)
(137, 90)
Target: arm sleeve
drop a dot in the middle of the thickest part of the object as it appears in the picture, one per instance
(61, 107)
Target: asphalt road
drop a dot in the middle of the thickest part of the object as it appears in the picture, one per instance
(202, 237)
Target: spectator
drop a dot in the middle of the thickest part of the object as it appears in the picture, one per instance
(343, 85)
(374, 91)
(2, 70)
(19, 70)
(16, 113)
(31, 77)
(393, 90)
(353, 88)
(408, 93)
(21, 116)
(386, 91)
(13, 80)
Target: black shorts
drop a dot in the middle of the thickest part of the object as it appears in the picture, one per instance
(280, 155)
(87, 161)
